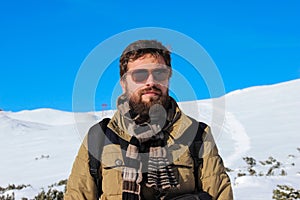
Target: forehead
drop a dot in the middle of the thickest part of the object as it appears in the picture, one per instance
(146, 61)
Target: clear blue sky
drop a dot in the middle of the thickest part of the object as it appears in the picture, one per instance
(43, 43)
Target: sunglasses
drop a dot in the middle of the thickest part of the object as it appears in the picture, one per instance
(142, 75)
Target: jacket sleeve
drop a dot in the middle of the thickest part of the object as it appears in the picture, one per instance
(212, 174)
(81, 184)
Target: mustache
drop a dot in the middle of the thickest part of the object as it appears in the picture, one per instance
(151, 89)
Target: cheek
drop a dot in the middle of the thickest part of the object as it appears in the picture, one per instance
(165, 83)
(131, 88)
(164, 87)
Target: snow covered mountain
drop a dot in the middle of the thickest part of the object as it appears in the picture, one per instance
(38, 146)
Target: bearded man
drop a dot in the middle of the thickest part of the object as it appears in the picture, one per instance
(147, 149)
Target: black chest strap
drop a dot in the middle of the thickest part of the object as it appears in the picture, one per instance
(96, 139)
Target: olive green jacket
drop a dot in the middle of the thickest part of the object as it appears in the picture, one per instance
(212, 175)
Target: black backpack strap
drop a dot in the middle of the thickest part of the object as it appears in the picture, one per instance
(195, 150)
(96, 137)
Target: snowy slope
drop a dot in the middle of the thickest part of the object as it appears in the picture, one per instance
(39, 146)
(259, 122)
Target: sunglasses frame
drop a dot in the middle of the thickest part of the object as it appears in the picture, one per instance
(149, 71)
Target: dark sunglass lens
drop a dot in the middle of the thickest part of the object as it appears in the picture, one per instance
(139, 75)
(160, 74)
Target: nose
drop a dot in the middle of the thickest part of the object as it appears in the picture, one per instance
(150, 80)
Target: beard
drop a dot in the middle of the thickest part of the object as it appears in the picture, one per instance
(139, 109)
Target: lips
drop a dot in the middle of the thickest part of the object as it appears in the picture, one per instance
(151, 92)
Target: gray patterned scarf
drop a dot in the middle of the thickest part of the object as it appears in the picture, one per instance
(152, 136)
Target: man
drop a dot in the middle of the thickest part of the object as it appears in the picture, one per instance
(146, 153)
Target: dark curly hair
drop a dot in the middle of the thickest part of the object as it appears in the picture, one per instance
(139, 48)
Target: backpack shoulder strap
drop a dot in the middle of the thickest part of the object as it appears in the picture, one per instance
(96, 137)
(195, 150)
